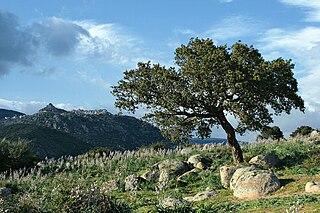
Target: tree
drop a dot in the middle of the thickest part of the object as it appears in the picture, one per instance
(209, 83)
(302, 130)
(273, 133)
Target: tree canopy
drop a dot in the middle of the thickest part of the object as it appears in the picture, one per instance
(208, 83)
(273, 133)
(302, 130)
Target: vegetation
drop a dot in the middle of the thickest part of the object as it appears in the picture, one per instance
(273, 133)
(302, 130)
(77, 184)
(16, 154)
(55, 132)
(209, 82)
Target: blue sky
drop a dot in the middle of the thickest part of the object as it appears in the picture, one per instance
(69, 52)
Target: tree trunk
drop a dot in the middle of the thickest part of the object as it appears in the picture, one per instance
(231, 137)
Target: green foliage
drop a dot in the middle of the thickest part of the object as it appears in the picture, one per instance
(302, 130)
(210, 80)
(76, 184)
(16, 154)
(273, 133)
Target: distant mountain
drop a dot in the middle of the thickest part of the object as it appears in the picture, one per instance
(4, 113)
(213, 140)
(93, 127)
(45, 141)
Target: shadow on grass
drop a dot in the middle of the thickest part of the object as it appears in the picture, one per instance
(284, 182)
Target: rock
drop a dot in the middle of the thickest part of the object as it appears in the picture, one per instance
(5, 192)
(132, 182)
(315, 134)
(172, 202)
(239, 172)
(226, 173)
(268, 161)
(171, 168)
(192, 173)
(313, 187)
(201, 196)
(153, 174)
(200, 161)
(110, 185)
(256, 183)
(208, 146)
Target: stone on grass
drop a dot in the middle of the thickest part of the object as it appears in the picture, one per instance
(267, 161)
(313, 187)
(226, 173)
(152, 174)
(200, 161)
(201, 196)
(171, 169)
(256, 183)
(172, 202)
(192, 173)
(5, 192)
(239, 172)
(132, 182)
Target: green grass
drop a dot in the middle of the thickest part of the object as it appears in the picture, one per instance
(73, 184)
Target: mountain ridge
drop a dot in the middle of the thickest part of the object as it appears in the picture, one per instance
(96, 128)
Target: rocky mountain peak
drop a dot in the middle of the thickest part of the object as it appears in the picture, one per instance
(51, 108)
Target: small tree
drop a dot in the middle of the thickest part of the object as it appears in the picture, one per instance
(302, 130)
(273, 133)
(209, 83)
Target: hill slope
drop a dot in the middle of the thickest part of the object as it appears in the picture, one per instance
(94, 127)
(4, 113)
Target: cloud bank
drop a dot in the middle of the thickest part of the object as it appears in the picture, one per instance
(59, 38)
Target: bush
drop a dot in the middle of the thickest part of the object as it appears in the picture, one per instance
(302, 130)
(16, 154)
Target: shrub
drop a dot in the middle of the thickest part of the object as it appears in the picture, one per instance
(16, 154)
(302, 130)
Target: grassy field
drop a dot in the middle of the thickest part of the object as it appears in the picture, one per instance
(75, 184)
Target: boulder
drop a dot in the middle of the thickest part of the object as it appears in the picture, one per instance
(201, 196)
(5, 192)
(110, 185)
(171, 168)
(200, 161)
(256, 183)
(132, 182)
(226, 173)
(267, 161)
(172, 202)
(152, 174)
(313, 187)
(192, 173)
(315, 134)
(239, 172)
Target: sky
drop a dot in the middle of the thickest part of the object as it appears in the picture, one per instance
(70, 52)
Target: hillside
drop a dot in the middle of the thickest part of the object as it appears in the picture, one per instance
(4, 113)
(46, 142)
(94, 127)
(111, 182)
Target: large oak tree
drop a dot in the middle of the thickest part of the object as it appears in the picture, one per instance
(208, 83)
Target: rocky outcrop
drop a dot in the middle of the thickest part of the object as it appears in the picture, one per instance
(269, 160)
(200, 161)
(226, 173)
(313, 187)
(201, 196)
(172, 168)
(152, 174)
(238, 173)
(254, 182)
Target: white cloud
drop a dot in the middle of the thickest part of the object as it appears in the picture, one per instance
(31, 107)
(312, 6)
(303, 46)
(95, 79)
(233, 27)
(226, 1)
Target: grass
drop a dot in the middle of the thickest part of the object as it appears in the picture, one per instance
(73, 184)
